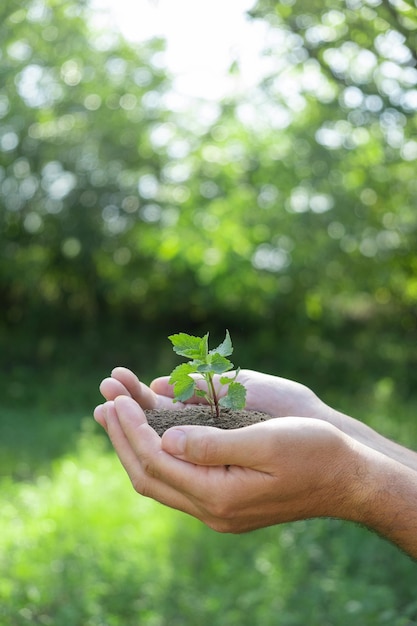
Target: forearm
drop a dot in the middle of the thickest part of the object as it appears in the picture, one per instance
(387, 501)
(369, 437)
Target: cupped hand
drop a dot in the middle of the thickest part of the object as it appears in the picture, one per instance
(234, 481)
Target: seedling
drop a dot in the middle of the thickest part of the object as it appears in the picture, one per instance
(206, 363)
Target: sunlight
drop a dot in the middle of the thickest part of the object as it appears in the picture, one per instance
(203, 40)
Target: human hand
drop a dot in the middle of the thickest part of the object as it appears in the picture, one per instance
(273, 395)
(234, 481)
(123, 382)
(321, 463)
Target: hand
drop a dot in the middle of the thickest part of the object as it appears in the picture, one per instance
(322, 464)
(275, 396)
(234, 481)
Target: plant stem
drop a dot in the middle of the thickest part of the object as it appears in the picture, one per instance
(212, 394)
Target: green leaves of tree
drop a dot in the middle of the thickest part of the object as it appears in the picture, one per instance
(113, 202)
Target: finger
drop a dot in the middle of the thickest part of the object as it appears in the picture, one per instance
(118, 439)
(99, 416)
(153, 472)
(211, 494)
(137, 390)
(110, 388)
(146, 397)
(251, 446)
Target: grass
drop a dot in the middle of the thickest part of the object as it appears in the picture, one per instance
(79, 547)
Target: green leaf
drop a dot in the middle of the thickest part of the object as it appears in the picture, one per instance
(184, 385)
(226, 380)
(225, 348)
(236, 397)
(219, 364)
(207, 364)
(184, 369)
(190, 346)
(203, 368)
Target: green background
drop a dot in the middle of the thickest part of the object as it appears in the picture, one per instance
(287, 214)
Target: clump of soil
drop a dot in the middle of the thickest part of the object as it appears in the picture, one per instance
(199, 415)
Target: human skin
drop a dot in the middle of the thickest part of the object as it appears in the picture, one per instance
(311, 462)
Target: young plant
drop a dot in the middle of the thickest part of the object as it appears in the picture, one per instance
(207, 363)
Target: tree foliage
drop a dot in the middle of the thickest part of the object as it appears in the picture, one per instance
(77, 110)
(292, 207)
(349, 69)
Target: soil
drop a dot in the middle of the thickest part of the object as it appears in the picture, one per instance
(200, 415)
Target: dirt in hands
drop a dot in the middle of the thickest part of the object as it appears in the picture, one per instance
(199, 415)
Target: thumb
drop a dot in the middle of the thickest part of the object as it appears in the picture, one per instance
(205, 445)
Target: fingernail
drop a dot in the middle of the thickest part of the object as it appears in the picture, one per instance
(174, 441)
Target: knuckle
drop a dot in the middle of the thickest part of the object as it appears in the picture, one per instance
(141, 486)
(221, 510)
(222, 526)
(138, 485)
(141, 480)
(148, 467)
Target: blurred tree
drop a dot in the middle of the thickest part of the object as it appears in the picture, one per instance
(347, 70)
(77, 107)
(291, 208)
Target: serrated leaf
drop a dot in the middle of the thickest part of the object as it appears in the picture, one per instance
(226, 380)
(184, 385)
(190, 346)
(225, 348)
(202, 368)
(184, 389)
(184, 369)
(236, 397)
(219, 364)
(207, 364)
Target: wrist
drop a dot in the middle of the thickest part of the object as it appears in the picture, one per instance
(367, 436)
(362, 483)
(354, 480)
(347, 479)
(383, 497)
